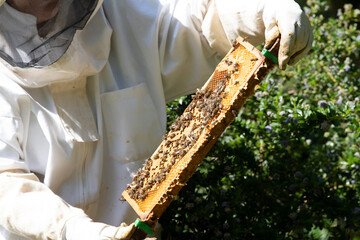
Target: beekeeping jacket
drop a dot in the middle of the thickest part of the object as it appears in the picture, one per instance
(83, 106)
(83, 100)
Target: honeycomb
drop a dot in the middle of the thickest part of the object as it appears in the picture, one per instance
(191, 136)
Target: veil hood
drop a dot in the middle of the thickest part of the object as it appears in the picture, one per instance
(20, 44)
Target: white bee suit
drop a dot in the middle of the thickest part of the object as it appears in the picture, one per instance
(73, 132)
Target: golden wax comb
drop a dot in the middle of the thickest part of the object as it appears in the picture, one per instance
(192, 135)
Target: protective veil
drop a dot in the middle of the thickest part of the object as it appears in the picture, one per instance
(26, 48)
(84, 106)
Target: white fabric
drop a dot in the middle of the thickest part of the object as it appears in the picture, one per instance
(83, 127)
(19, 196)
(41, 45)
(84, 228)
(135, 55)
(20, 192)
(260, 20)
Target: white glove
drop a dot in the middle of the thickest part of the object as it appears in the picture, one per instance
(287, 18)
(259, 20)
(78, 228)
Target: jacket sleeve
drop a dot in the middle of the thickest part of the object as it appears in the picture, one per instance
(173, 45)
(195, 36)
(192, 42)
(30, 209)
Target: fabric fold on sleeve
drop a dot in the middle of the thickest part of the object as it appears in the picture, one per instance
(242, 18)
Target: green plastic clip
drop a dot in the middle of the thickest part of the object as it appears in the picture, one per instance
(143, 226)
(267, 54)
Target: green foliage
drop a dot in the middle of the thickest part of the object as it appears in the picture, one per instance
(288, 166)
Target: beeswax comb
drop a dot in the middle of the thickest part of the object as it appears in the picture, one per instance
(191, 136)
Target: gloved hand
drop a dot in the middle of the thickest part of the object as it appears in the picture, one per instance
(259, 20)
(286, 18)
(83, 227)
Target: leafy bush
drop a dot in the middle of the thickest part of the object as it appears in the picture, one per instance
(288, 166)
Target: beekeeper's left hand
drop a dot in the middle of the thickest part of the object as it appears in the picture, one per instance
(287, 19)
(264, 20)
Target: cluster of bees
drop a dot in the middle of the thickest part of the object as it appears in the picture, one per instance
(201, 113)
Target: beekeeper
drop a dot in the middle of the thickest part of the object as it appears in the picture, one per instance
(83, 88)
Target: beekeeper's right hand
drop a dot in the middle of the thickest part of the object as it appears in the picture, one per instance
(31, 209)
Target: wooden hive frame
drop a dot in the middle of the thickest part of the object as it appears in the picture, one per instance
(191, 137)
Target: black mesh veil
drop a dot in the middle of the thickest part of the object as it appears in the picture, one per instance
(21, 46)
